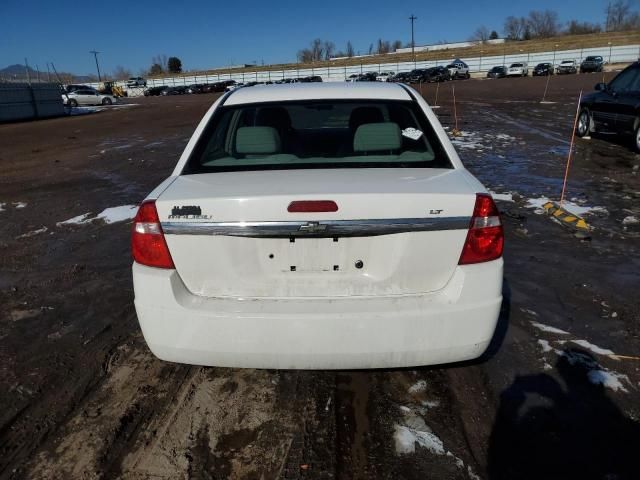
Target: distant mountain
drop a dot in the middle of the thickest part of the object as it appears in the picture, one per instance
(19, 72)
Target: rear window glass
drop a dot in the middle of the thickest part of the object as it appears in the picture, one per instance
(318, 134)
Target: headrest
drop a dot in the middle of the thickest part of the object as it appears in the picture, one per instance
(375, 137)
(361, 115)
(257, 140)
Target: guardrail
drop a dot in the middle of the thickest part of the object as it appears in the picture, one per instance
(611, 54)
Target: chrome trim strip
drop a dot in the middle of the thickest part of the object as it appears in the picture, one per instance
(323, 228)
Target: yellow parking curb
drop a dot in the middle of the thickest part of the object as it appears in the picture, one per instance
(565, 217)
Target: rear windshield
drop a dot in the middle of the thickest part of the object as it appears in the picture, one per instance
(318, 134)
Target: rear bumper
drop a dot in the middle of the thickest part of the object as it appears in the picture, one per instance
(453, 324)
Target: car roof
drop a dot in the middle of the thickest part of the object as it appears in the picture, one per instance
(318, 91)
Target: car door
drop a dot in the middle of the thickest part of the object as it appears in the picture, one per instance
(84, 97)
(626, 91)
(606, 103)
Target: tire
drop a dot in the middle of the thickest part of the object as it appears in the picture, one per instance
(585, 124)
(636, 137)
(73, 102)
(106, 101)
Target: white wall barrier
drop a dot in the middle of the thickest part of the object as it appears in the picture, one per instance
(610, 54)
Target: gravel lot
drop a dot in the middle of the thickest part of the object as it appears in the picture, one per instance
(82, 397)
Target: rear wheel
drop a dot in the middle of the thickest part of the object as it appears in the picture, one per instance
(106, 101)
(637, 137)
(73, 102)
(584, 124)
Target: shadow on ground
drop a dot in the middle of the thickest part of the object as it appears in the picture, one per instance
(544, 430)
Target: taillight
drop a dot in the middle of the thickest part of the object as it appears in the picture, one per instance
(148, 245)
(485, 239)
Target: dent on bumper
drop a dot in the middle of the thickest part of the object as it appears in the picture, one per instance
(453, 324)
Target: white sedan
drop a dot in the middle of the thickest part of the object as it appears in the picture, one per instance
(318, 226)
(87, 97)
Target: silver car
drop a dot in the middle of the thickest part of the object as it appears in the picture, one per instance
(87, 97)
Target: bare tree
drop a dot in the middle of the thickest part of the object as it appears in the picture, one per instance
(482, 33)
(514, 27)
(329, 48)
(121, 73)
(350, 50)
(161, 60)
(384, 46)
(370, 48)
(543, 23)
(621, 17)
(575, 27)
(396, 45)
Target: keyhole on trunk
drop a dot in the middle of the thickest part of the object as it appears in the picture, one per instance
(359, 264)
(271, 255)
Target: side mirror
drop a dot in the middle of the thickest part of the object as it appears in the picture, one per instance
(601, 87)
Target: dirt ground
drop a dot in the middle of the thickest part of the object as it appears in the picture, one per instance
(82, 397)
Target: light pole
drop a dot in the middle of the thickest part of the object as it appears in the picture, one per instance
(609, 43)
(95, 55)
(504, 53)
(413, 18)
(480, 66)
(554, 56)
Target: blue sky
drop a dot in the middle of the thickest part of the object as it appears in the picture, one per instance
(207, 33)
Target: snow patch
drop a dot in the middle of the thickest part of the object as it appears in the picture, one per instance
(419, 386)
(2, 206)
(530, 312)
(608, 379)
(505, 197)
(548, 328)
(630, 220)
(19, 204)
(33, 232)
(108, 215)
(594, 348)
(406, 439)
(546, 346)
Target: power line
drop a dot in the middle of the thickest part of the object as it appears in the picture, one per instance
(95, 55)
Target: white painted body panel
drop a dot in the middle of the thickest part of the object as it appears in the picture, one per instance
(212, 265)
(229, 304)
(453, 324)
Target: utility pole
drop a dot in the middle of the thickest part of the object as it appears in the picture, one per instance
(413, 18)
(95, 55)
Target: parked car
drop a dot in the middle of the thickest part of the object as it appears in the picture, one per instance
(437, 74)
(367, 77)
(195, 88)
(171, 91)
(566, 67)
(402, 77)
(458, 69)
(353, 77)
(232, 86)
(384, 76)
(87, 97)
(614, 107)
(153, 91)
(418, 75)
(73, 87)
(593, 63)
(519, 69)
(296, 223)
(497, 72)
(136, 82)
(543, 69)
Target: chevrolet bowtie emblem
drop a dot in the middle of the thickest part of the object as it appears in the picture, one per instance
(312, 227)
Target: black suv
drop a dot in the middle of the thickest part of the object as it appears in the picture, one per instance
(592, 64)
(614, 107)
(543, 69)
